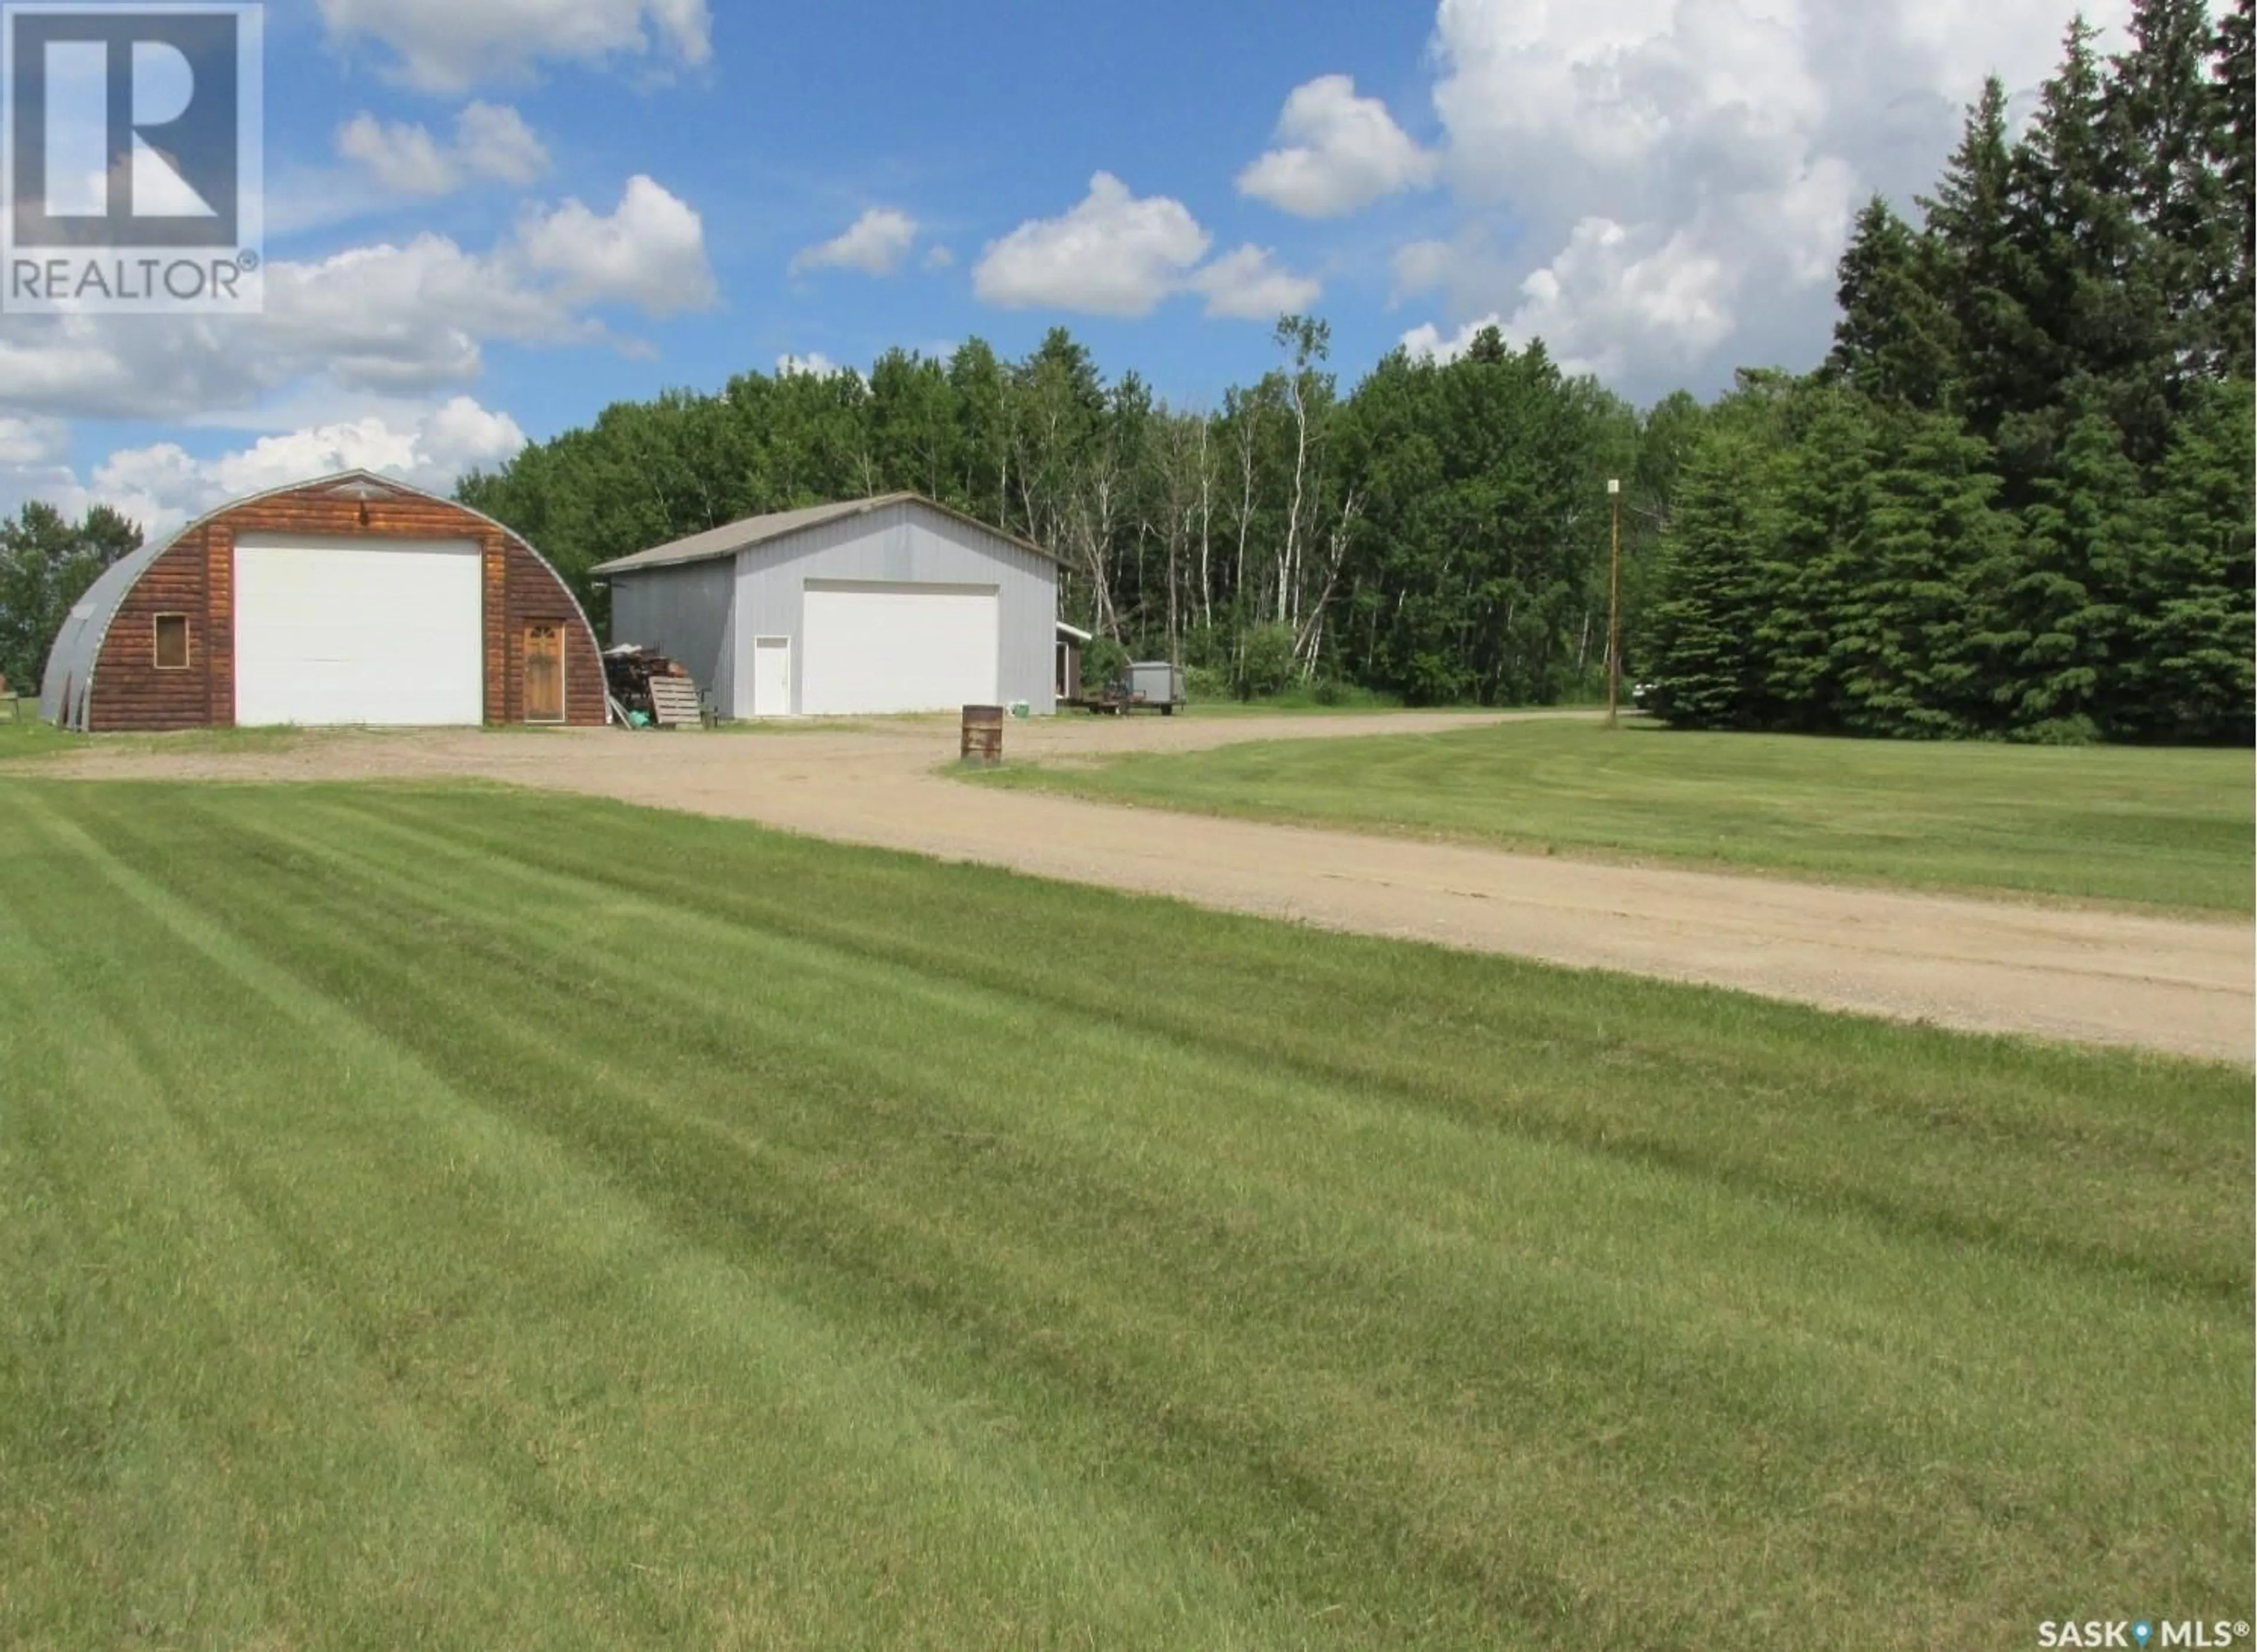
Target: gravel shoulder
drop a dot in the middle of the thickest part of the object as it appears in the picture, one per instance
(2184, 986)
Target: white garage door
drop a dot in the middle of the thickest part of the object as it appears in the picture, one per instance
(342, 631)
(874, 649)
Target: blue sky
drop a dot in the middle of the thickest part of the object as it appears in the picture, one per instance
(807, 116)
(490, 218)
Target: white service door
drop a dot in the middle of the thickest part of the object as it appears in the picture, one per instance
(771, 676)
(350, 630)
(870, 649)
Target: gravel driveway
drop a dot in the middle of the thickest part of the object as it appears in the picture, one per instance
(2169, 984)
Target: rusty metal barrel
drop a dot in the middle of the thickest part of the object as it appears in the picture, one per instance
(983, 734)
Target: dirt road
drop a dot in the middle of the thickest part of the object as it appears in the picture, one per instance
(2166, 983)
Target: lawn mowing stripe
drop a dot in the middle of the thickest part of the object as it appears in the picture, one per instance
(1292, 1395)
(788, 960)
(500, 1029)
(1045, 1535)
(897, 987)
(2127, 825)
(1003, 1038)
(2136, 1167)
(225, 1288)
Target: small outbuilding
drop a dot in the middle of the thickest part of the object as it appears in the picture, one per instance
(354, 599)
(887, 604)
(1071, 640)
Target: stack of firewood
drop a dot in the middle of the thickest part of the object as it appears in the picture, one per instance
(630, 672)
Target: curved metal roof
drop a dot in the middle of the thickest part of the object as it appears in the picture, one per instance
(66, 690)
(70, 662)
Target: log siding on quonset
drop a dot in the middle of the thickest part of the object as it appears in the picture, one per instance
(194, 575)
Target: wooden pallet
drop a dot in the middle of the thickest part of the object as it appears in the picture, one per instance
(673, 703)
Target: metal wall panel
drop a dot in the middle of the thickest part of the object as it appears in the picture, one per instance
(684, 612)
(70, 662)
(901, 544)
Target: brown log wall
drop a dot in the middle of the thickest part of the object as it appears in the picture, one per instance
(195, 576)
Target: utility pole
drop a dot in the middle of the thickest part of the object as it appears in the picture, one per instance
(1613, 611)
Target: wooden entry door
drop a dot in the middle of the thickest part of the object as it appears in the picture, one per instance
(544, 673)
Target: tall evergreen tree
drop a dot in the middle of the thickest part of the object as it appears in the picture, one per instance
(2233, 155)
(1905, 638)
(1823, 476)
(2089, 528)
(2164, 122)
(1715, 588)
(2186, 665)
(1977, 266)
(1897, 341)
(2071, 220)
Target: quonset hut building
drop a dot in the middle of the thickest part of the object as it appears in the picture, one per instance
(353, 599)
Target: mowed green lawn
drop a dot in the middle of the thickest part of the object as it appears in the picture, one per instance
(2169, 828)
(28, 736)
(468, 1218)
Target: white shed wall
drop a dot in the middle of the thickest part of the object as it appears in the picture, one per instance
(905, 544)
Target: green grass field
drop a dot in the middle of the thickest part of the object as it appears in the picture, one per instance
(2165, 828)
(40, 739)
(463, 1217)
(28, 736)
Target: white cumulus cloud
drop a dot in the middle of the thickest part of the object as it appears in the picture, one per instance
(1662, 189)
(33, 441)
(1340, 153)
(450, 45)
(875, 244)
(648, 251)
(392, 319)
(163, 487)
(403, 158)
(1248, 285)
(1120, 254)
(1114, 254)
(491, 142)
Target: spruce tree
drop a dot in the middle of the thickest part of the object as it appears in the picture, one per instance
(2186, 670)
(1976, 266)
(2233, 155)
(1905, 638)
(1817, 565)
(2074, 237)
(2088, 529)
(2163, 121)
(1896, 340)
(1702, 646)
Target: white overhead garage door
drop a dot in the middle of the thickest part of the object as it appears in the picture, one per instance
(870, 648)
(346, 631)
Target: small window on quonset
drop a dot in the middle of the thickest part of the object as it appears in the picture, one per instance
(172, 642)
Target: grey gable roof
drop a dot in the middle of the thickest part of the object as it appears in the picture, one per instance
(733, 537)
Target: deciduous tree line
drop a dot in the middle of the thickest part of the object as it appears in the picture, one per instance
(2016, 500)
(1439, 534)
(46, 563)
